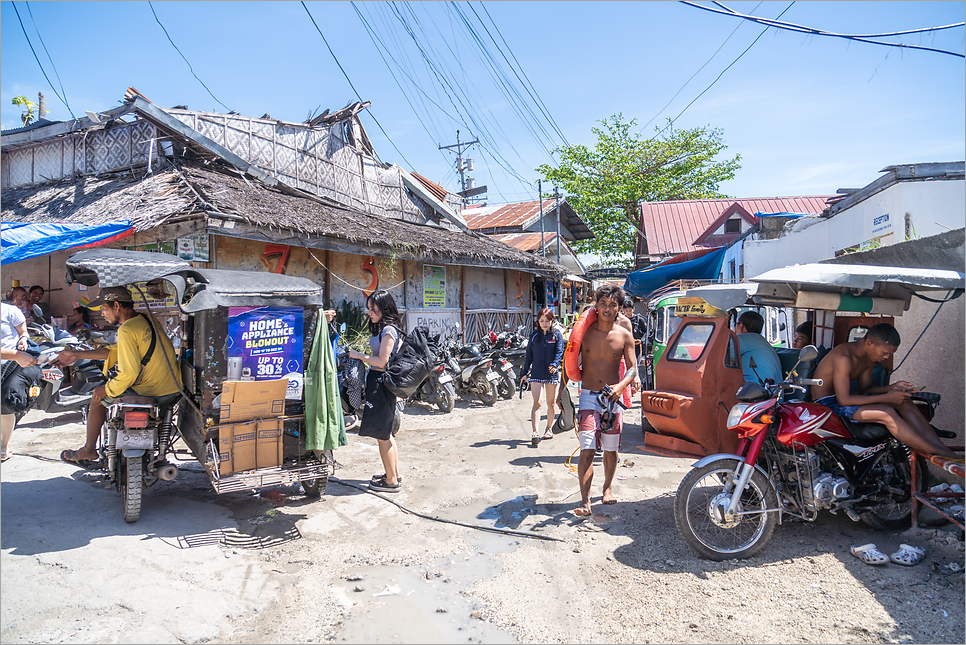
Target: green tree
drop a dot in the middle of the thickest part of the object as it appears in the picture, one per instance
(606, 185)
(28, 105)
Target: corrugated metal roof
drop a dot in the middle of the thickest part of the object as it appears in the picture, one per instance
(673, 226)
(525, 241)
(519, 214)
(438, 191)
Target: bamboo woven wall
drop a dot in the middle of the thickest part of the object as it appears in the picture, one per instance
(123, 146)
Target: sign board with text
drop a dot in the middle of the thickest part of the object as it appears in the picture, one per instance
(268, 340)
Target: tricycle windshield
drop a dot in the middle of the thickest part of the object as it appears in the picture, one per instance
(691, 342)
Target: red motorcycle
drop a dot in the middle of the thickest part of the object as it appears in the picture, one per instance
(794, 458)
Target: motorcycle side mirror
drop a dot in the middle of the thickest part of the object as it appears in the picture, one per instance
(808, 353)
(341, 329)
(38, 312)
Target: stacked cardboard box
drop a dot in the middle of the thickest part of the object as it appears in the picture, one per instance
(250, 431)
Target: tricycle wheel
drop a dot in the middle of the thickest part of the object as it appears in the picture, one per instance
(315, 487)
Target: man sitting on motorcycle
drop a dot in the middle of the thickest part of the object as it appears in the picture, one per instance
(889, 405)
(158, 378)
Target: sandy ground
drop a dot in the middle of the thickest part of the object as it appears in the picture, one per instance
(277, 567)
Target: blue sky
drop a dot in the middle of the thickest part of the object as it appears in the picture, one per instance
(808, 114)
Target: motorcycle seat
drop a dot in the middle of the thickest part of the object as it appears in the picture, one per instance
(137, 400)
(872, 433)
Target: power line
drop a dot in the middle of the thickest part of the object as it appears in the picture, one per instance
(818, 32)
(44, 45)
(359, 96)
(190, 68)
(671, 121)
(695, 74)
(36, 58)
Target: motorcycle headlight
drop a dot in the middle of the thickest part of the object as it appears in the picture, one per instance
(734, 417)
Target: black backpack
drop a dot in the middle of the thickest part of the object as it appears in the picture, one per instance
(411, 364)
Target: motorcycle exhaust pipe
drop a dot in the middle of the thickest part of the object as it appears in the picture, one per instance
(167, 473)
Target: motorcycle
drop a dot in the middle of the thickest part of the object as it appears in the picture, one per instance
(61, 389)
(135, 440)
(794, 458)
(506, 349)
(471, 371)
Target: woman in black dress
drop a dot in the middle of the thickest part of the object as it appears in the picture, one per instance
(380, 403)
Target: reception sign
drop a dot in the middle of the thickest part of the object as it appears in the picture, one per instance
(268, 340)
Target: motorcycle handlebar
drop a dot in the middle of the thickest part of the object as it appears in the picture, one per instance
(809, 381)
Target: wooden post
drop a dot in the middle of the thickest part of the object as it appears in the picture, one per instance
(463, 298)
(328, 281)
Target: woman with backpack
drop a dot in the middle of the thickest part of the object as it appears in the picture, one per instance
(541, 368)
(380, 403)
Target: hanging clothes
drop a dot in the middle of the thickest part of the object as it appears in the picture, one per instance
(324, 423)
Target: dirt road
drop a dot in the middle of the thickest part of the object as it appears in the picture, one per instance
(352, 567)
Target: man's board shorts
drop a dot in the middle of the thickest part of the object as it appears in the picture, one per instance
(588, 424)
(844, 411)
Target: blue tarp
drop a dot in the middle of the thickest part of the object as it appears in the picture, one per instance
(643, 282)
(22, 240)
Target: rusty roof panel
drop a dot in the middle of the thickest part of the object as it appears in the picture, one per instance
(437, 191)
(524, 241)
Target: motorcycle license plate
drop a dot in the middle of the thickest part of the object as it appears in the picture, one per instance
(445, 378)
(493, 376)
(135, 438)
(506, 368)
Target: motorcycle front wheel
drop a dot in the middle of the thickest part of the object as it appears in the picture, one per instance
(446, 397)
(132, 475)
(700, 505)
(505, 387)
(484, 389)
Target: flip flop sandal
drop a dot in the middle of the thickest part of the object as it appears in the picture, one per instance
(382, 478)
(908, 555)
(535, 440)
(70, 457)
(548, 435)
(869, 554)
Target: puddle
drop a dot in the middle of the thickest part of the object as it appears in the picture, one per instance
(429, 606)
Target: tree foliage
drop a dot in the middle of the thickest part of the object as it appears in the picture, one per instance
(606, 185)
(28, 106)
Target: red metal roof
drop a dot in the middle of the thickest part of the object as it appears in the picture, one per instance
(526, 241)
(438, 191)
(672, 227)
(518, 214)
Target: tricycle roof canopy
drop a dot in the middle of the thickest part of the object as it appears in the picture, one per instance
(833, 286)
(205, 288)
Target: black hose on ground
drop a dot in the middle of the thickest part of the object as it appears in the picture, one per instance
(491, 529)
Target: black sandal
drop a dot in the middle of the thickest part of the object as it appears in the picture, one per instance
(383, 487)
(382, 478)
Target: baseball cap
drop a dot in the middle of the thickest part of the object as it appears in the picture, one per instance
(111, 294)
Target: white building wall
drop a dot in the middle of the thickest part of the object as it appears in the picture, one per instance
(933, 207)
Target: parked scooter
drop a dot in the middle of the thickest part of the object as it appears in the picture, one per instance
(508, 350)
(472, 372)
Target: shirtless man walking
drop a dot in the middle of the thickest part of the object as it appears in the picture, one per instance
(889, 405)
(603, 346)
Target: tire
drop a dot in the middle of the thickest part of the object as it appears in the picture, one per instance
(315, 487)
(505, 387)
(484, 389)
(897, 512)
(714, 538)
(446, 397)
(132, 475)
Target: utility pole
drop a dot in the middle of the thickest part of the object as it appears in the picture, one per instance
(556, 196)
(468, 186)
(543, 241)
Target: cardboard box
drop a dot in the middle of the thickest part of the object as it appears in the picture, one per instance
(245, 446)
(249, 400)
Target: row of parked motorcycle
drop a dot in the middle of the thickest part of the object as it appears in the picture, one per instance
(486, 371)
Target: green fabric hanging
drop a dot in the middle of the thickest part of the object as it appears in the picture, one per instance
(324, 423)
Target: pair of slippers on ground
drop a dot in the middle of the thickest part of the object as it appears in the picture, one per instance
(907, 555)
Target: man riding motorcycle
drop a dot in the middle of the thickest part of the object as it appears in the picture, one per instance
(145, 361)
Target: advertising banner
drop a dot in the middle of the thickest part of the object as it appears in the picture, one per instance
(434, 286)
(266, 343)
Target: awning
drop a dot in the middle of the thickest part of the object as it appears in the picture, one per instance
(22, 240)
(643, 282)
(841, 287)
(570, 277)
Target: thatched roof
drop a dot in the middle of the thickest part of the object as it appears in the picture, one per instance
(210, 195)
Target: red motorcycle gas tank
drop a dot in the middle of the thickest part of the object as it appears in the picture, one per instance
(809, 424)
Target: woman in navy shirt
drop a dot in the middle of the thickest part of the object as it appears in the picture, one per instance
(542, 369)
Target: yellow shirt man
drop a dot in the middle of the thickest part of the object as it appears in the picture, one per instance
(133, 341)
